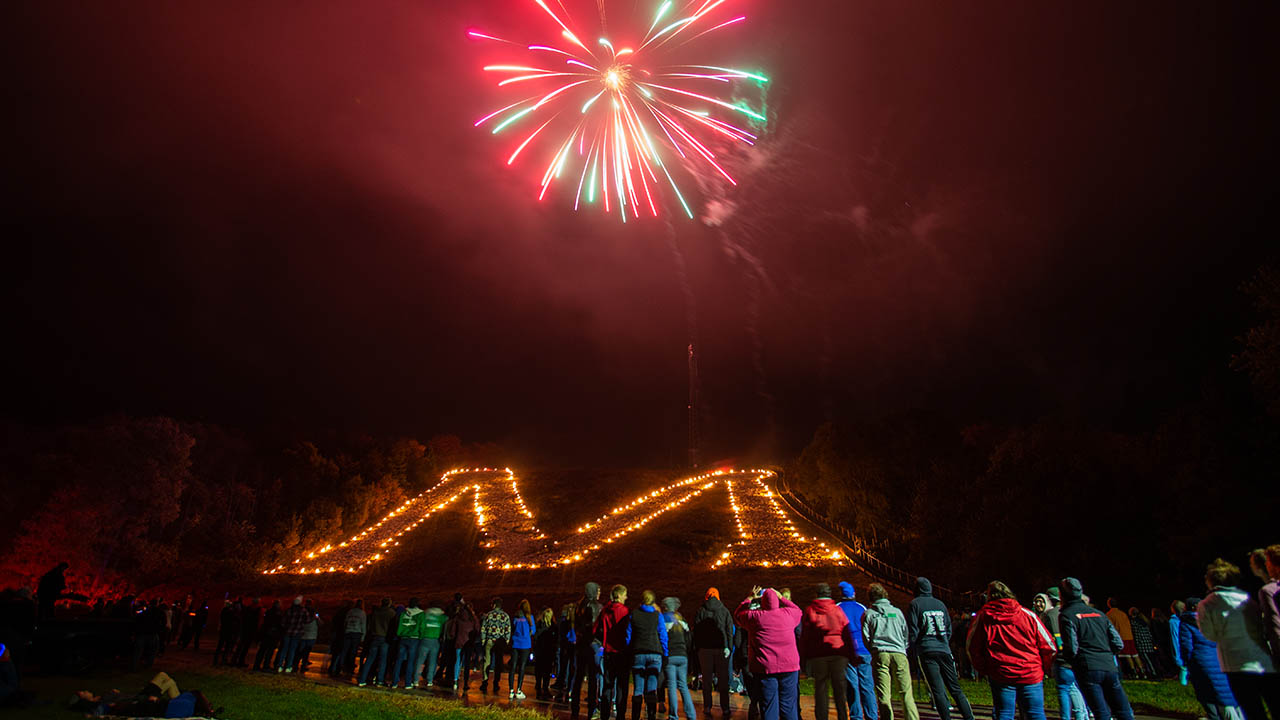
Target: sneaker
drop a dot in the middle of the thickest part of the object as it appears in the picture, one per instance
(288, 670)
(512, 694)
(519, 695)
(361, 684)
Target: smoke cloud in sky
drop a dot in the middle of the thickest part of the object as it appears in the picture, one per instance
(263, 215)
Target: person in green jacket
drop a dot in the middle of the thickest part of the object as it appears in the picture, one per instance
(409, 635)
(429, 649)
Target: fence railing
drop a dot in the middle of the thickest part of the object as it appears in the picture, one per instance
(863, 559)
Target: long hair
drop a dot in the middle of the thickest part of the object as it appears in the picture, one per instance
(526, 610)
(546, 618)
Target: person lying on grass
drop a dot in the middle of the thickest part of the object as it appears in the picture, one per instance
(158, 698)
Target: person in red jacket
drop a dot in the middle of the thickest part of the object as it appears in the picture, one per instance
(825, 647)
(611, 631)
(1010, 645)
(772, 655)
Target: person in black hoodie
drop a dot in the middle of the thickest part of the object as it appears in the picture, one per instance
(587, 652)
(929, 639)
(228, 632)
(1089, 644)
(713, 639)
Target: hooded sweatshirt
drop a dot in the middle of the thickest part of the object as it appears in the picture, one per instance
(884, 628)
(772, 633)
(1229, 617)
(1009, 643)
(854, 611)
(712, 625)
(928, 622)
(1089, 640)
(825, 631)
(611, 627)
(586, 613)
(433, 620)
(410, 625)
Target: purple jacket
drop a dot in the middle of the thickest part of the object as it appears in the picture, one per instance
(772, 633)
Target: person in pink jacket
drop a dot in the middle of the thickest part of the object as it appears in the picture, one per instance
(772, 655)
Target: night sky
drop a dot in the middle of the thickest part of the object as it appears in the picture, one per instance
(278, 214)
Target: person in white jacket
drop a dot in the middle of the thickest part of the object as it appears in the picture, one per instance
(1230, 617)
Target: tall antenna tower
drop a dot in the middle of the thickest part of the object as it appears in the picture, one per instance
(693, 409)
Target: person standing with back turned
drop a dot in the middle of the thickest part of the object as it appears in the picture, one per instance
(1090, 644)
(929, 639)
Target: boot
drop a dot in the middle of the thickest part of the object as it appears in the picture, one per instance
(650, 706)
(635, 706)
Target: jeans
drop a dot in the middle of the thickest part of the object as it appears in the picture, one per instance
(428, 655)
(677, 672)
(350, 647)
(1104, 694)
(565, 670)
(890, 666)
(1070, 700)
(861, 689)
(1006, 698)
(287, 650)
(1251, 689)
(778, 696)
(714, 665)
(302, 658)
(645, 668)
(406, 658)
(586, 667)
(462, 657)
(829, 671)
(376, 653)
(613, 695)
(939, 670)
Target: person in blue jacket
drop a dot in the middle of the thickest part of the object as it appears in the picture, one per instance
(1200, 657)
(861, 681)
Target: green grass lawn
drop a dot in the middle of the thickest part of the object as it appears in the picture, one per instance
(1164, 697)
(251, 696)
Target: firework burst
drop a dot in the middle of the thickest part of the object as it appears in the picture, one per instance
(618, 115)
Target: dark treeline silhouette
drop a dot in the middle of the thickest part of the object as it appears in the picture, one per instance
(1143, 507)
(133, 501)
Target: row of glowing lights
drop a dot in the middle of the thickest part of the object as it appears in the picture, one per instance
(390, 539)
(568, 559)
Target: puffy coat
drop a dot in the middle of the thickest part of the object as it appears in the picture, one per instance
(824, 631)
(1229, 617)
(1200, 654)
(771, 633)
(1009, 643)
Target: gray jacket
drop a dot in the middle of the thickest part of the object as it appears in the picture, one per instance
(884, 628)
(356, 621)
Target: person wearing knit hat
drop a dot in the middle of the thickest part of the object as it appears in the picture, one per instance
(713, 636)
(1070, 700)
(859, 680)
(1090, 644)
